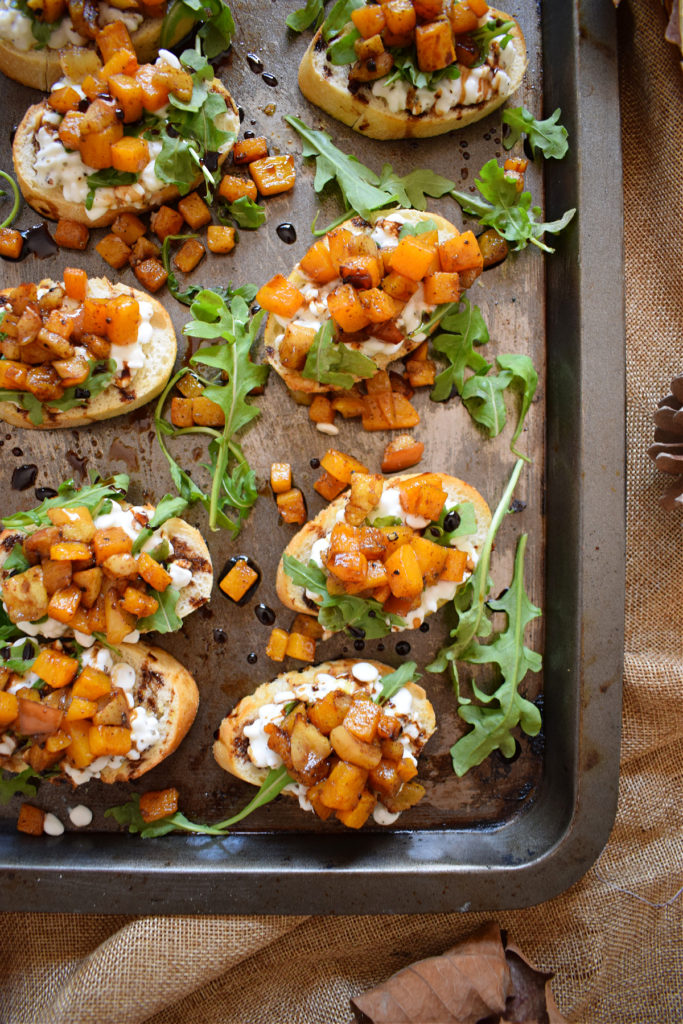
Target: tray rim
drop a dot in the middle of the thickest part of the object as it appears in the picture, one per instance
(551, 844)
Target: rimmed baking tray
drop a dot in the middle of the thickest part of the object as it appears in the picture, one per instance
(511, 833)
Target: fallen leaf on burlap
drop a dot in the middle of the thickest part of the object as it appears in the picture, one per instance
(477, 981)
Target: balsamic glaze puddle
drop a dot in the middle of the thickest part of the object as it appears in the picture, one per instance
(37, 240)
(24, 477)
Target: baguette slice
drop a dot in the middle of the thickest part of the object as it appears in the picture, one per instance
(40, 69)
(275, 326)
(163, 688)
(301, 546)
(189, 548)
(50, 201)
(233, 750)
(142, 386)
(327, 86)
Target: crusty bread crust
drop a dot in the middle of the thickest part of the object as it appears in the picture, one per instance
(50, 202)
(292, 378)
(301, 544)
(188, 545)
(146, 383)
(40, 69)
(369, 115)
(230, 749)
(162, 685)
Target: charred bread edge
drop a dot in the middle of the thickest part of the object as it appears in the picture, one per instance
(321, 525)
(294, 380)
(51, 202)
(149, 380)
(374, 119)
(226, 748)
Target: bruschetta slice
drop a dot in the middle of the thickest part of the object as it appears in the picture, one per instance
(399, 546)
(80, 350)
(414, 68)
(350, 751)
(125, 138)
(363, 295)
(109, 714)
(110, 568)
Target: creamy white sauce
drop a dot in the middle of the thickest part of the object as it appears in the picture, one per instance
(15, 27)
(52, 826)
(8, 744)
(100, 658)
(145, 730)
(80, 815)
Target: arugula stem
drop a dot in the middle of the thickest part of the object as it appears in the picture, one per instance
(17, 199)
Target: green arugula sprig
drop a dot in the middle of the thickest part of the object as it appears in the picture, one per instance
(548, 136)
(214, 18)
(331, 362)
(96, 496)
(129, 813)
(18, 785)
(13, 657)
(16, 199)
(505, 708)
(340, 611)
(508, 211)
(467, 524)
(233, 488)
(107, 178)
(396, 680)
(100, 377)
(304, 17)
(169, 507)
(40, 30)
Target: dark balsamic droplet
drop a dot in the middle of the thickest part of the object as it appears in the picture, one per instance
(17, 452)
(264, 614)
(84, 104)
(358, 645)
(357, 631)
(380, 647)
(424, 628)
(314, 463)
(252, 657)
(81, 393)
(240, 113)
(28, 652)
(42, 493)
(403, 647)
(249, 134)
(13, 132)
(287, 232)
(269, 79)
(528, 151)
(255, 63)
(517, 506)
(451, 521)
(24, 477)
(220, 636)
(211, 161)
(172, 132)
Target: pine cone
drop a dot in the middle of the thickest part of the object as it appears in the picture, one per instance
(667, 451)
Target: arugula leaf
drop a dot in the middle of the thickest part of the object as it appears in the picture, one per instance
(421, 228)
(524, 379)
(107, 178)
(385, 521)
(505, 707)
(14, 657)
(340, 611)
(27, 401)
(549, 136)
(494, 28)
(73, 396)
(507, 210)
(247, 213)
(236, 376)
(215, 20)
(395, 681)
(13, 785)
(342, 50)
(482, 396)
(306, 16)
(406, 69)
(129, 813)
(16, 560)
(411, 189)
(466, 328)
(467, 524)
(96, 496)
(167, 508)
(331, 362)
(40, 30)
(165, 619)
(339, 17)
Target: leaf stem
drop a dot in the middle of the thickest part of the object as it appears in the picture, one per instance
(17, 199)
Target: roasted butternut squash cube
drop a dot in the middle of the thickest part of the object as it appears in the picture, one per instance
(307, 625)
(328, 713)
(63, 99)
(130, 154)
(143, 249)
(408, 795)
(13, 375)
(124, 320)
(74, 523)
(161, 803)
(220, 238)
(194, 210)
(317, 263)
(379, 305)
(277, 645)
(9, 708)
(111, 541)
(91, 683)
(348, 566)
(455, 565)
(280, 297)
(25, 595)
(421, 373)
(366, 493)
(407, 769)
(385, 778)
(423, 496)
(362, 272)
(239, 580)
(138, 604)
(247, 150)
(95, 316)
(328, 487)
(369, 20)
(431, 558)
(367, 48)
(11, 243)
(295, 345)
(434, 44)
(112, 710)
(69, 131)
(353, 750)
(55, 668)
(109, 740)
(78, 752)
(360, 813)
(64, 604)
(313, 795)
(412, 258)
(398, 286)
(95, 148)
(320, 410)
(346, 310)
(128, 227)
(181, 412)
(207, 413)
(37, 545)
(118, 622)
(362, 718)
(150, 273)
(59, 741)
(233, 188)
(189, 255)
(400, 17)
(401, 453)
(113, 251)
(153, 573)
(462, 18)
(403, 569)
(112, 38)
(30, 820)
(89, 581)
(80, 708)
(166, 221)
(280, 477)
(96, 615)
(291, 506)
(342, 788)
(341, 465)
(300, 647)
(128, 95)
(442, 287)
(428, 10)
(461, 252)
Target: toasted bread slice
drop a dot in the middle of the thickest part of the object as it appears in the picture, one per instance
(40, 69)
(49, 199)
(163, 693)
(384, 228)
(243, 756)
(134, 388)
(433, 597)
(387, 112)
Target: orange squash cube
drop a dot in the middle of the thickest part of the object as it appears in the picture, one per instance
(189, 255)
(64, 604)
(362, 719)
(91, 684)
(30, 820)
(233, 188)
(64, 99)
(239, 580)
(78, 752)
(369, 20)
(70, 235)
(379, 305)
(75, 283)
(70, 551)
(341, 465)
(194, 210)
(273, 174)
(280, 477)
(128, 228)
(342, 788)
(9, 708)
(95, 148)
(462, 18)
(207, 413)
(313, 796)
(307, 625)
(357, 817)
(153, 573)
(95, 316)
(138, 604)
(80, 708)
(291, 506)
(128, 95)
(112, 38)
(130, 154)
(11, 243)
(220, 238)
(412, 258)
(461, 252)
(431, 558)
(328, 487)
(455, 565)
(151, 274)
(442, 287)
(434, 44)
(13, 375)
(166, 221)
(247, 150)
(320, 410)
(113, 250)
(120, 63)
(280, 297)
(423, 496)
(69, 131)
(59, 740)
(401, 453)
(300, 647)
(317, 263)
(403, 570)
(346, 309)
(348, 566)
(277, 645)
(124, 320)
(160, 803)
(181, 412)
(111, 541)
(111, 740)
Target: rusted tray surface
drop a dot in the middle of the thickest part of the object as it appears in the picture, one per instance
(510, 833)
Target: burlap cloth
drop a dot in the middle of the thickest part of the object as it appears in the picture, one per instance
(614, 940)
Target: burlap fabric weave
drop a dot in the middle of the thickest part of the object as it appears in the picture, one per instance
(615, 940)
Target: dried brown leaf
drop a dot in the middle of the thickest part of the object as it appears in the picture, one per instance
(531, 1001)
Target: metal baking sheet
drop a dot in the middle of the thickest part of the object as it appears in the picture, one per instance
(510, 833)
